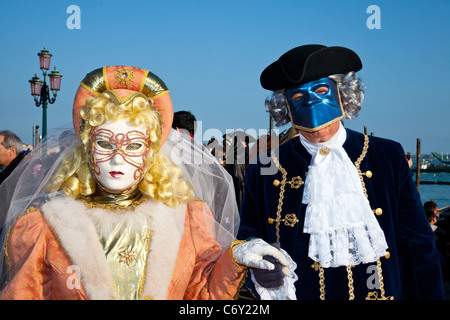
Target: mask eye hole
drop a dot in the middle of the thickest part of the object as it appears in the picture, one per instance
(133, 146)
(297, 96)
(321, 90)
(104, 145)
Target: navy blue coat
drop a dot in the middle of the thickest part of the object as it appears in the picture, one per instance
(412, 270)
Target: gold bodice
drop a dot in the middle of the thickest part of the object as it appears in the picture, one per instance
(126, 249)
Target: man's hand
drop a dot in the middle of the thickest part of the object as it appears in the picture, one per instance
(268, 262)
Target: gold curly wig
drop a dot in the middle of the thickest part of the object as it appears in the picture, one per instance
(162, 180)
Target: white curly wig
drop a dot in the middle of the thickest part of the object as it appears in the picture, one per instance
(351, 89)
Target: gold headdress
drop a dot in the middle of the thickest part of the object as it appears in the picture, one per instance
(124, 82)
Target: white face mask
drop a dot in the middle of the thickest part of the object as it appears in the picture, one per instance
(119, 152)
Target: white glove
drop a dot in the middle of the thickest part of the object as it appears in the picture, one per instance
(251, 254)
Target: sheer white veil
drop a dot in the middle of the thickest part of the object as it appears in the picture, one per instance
(25, 187)
(211, 183)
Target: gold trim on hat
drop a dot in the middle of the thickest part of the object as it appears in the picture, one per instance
(141, 87)
(105, 77)
(90, 90)
(153, 86)
(95, 79)
(127, 98)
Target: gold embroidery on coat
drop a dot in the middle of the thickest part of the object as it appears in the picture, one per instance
(316, 265)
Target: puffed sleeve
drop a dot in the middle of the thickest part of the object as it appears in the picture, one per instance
(37, 263)
(25, 254)
(215, 275)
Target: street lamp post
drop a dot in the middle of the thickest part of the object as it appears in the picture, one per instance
(40, 90)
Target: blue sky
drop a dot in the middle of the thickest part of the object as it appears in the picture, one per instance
(211, 54)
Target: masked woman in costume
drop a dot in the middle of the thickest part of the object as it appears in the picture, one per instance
(122, 218)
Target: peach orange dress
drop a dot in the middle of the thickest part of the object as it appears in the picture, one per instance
(68, 250)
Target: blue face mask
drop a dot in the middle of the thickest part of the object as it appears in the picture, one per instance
(314, 109)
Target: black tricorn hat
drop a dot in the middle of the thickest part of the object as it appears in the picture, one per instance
(308, 63)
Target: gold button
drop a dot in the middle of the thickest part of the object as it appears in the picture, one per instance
(324, 151)
(388, 255)
(271, 220)
(276, 182)
(378, 211)
(368, 174)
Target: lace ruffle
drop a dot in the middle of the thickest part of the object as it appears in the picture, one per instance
(343, 229)
(347, 246)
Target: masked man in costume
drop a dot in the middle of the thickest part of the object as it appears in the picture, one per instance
(342, 204)
(118, 214)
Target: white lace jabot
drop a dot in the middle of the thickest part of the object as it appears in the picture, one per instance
(343, 228)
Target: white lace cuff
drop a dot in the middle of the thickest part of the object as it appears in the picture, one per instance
(284, 292)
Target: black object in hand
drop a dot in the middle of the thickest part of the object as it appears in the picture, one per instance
(273, 278)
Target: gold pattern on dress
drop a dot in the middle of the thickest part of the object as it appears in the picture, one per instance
(124, 76)
(8, 234)
(127, 256)
(126, 248)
